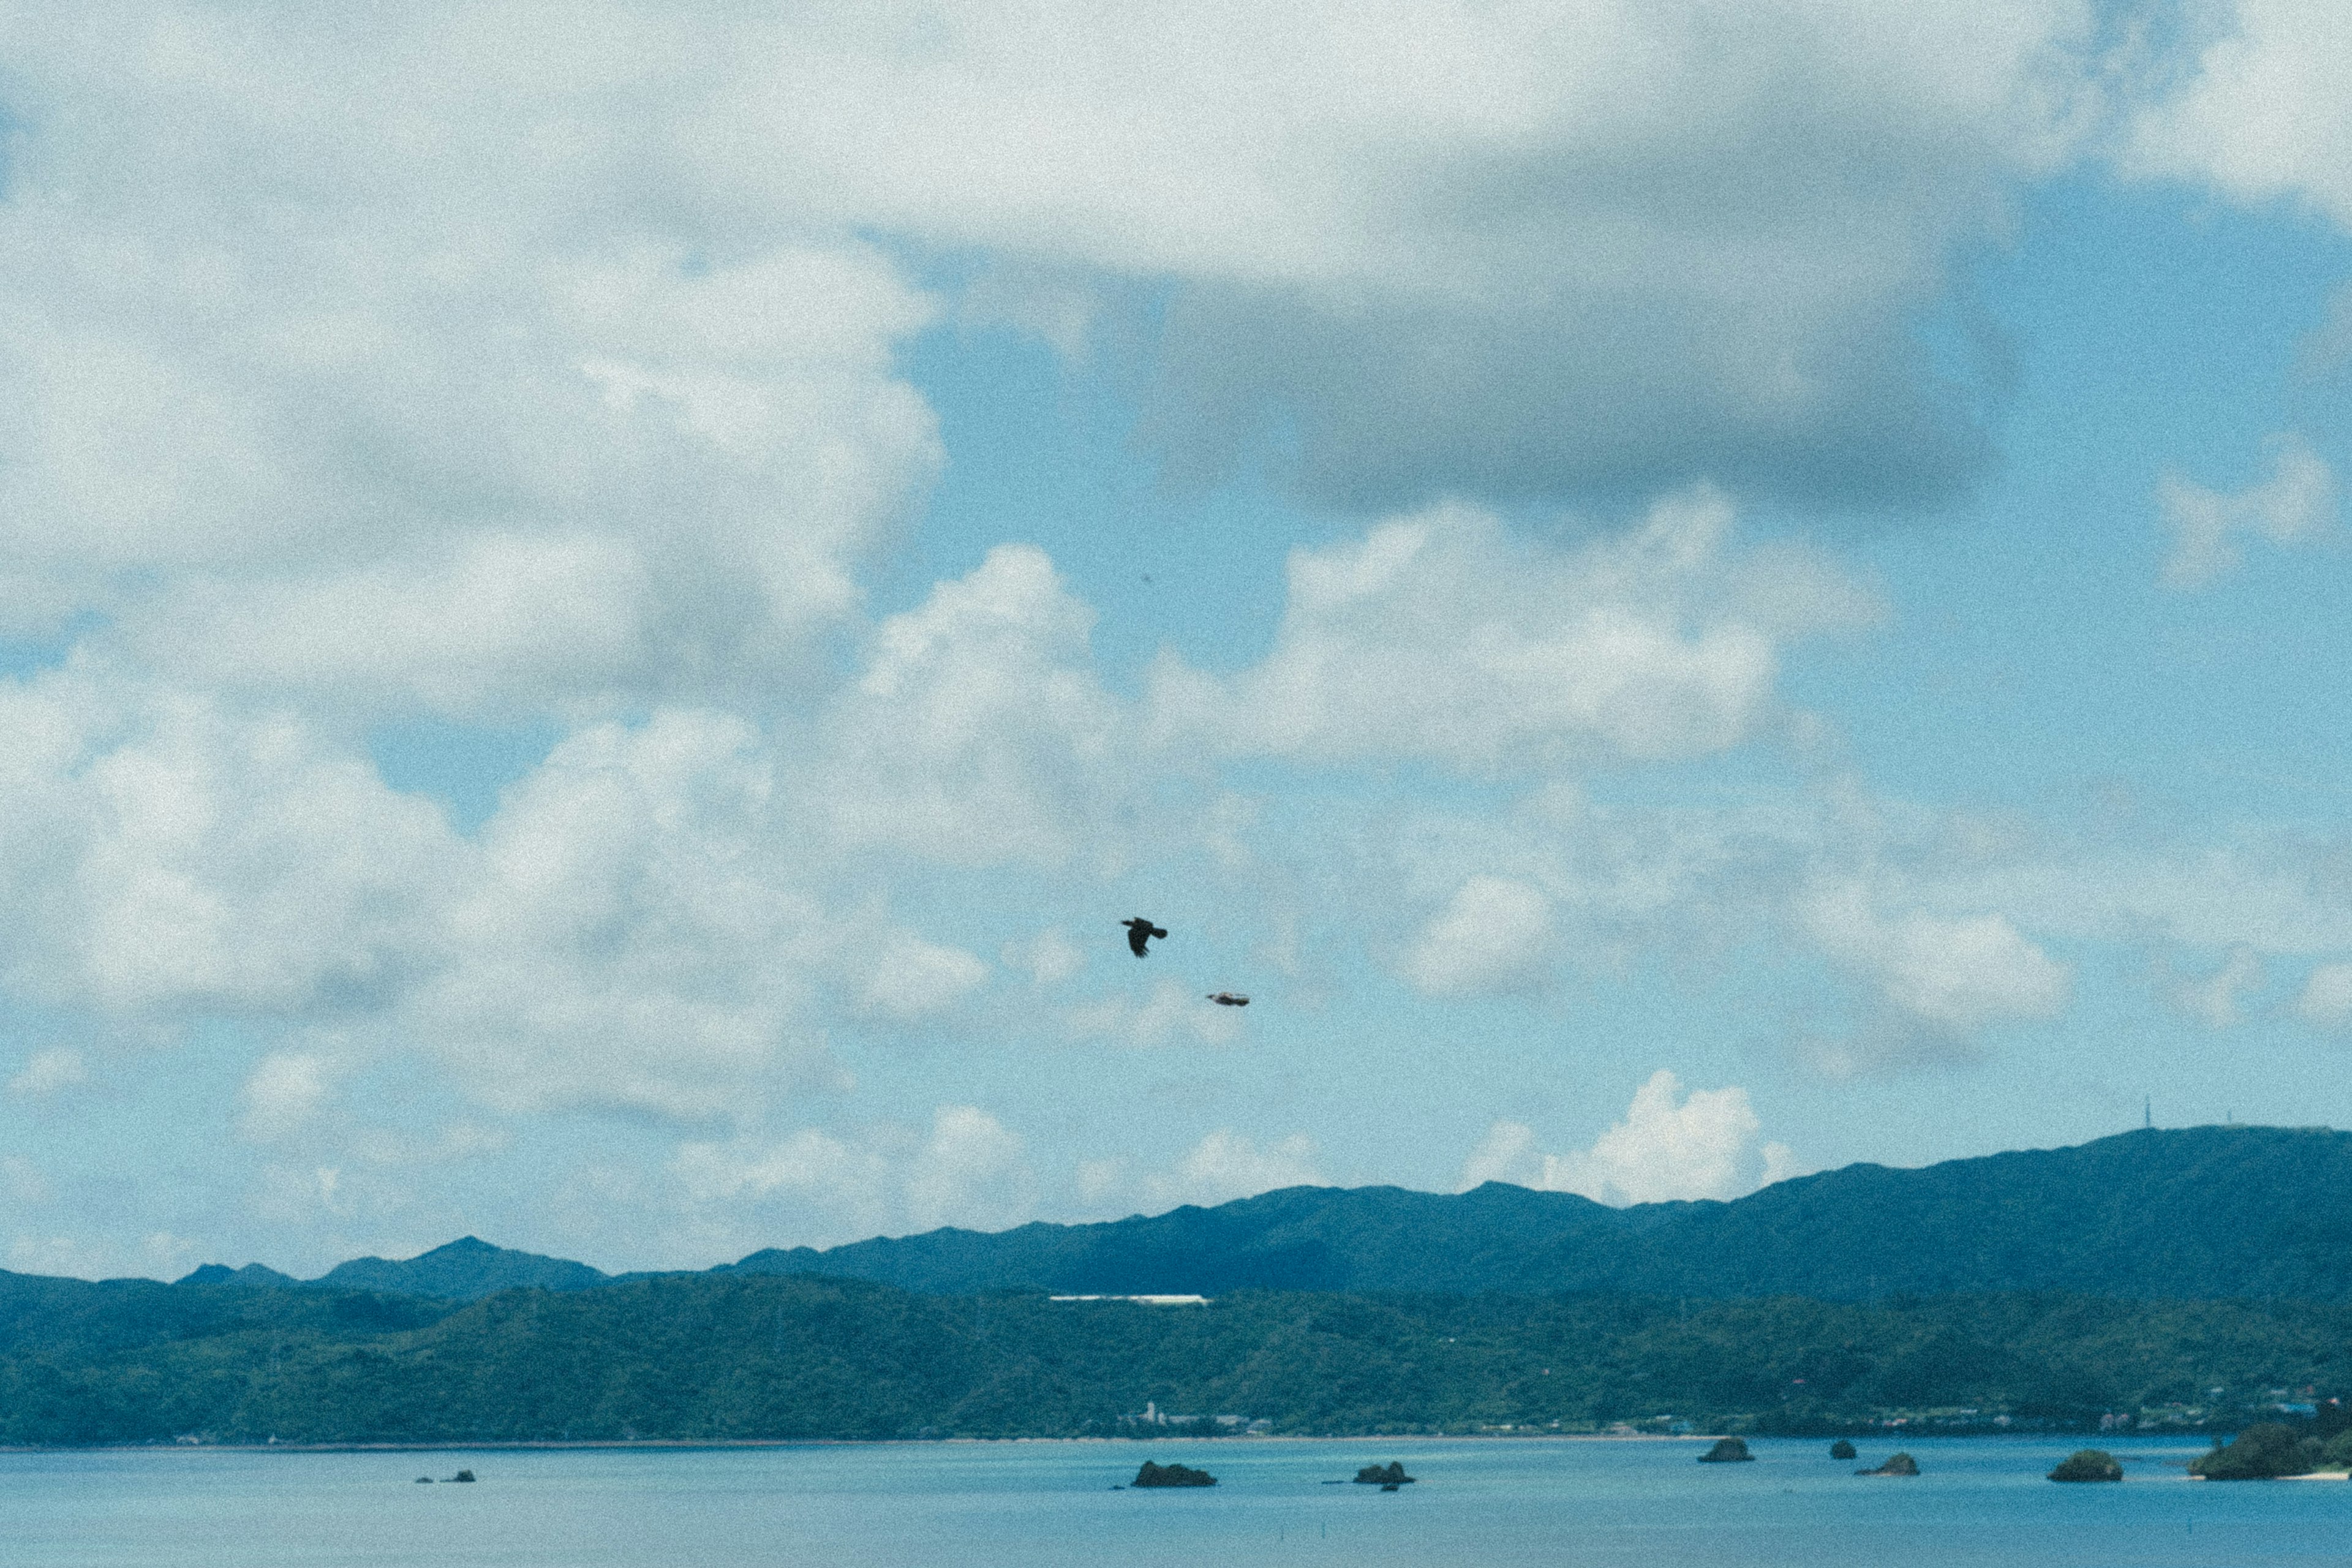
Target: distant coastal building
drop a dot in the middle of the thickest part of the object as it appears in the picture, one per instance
(1153, 1415)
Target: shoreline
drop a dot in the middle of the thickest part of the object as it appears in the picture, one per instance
(552, 1444)
(722, 1444)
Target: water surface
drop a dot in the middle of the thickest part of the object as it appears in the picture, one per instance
(1494, 1503)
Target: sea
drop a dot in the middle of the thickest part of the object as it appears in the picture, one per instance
(1487, 1502)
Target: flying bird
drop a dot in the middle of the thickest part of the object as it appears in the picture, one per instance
(1228, 999)
(1139, 932)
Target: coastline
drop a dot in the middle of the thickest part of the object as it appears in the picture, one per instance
(553, 1444)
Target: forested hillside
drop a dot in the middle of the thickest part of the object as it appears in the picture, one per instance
(2200, 1211)
(701, 1357)
(2203, 1212)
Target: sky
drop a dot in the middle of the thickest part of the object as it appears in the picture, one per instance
(604, 606)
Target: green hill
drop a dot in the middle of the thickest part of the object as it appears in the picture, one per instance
(2201, 1212)
(2196, 1213)
(462, 1270)
(702, 1357)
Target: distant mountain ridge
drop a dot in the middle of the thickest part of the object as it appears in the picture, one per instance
(2195, 1213)
(465, 1270)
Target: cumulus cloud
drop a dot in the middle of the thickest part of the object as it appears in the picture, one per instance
(1671, 1146)
(1940, 982)
(1048, 958)
(449, 415)
(2325, 1000)
(2263, 113)
(970, 1172)
(632, 929)
(282, 1094)
(978, 733)
(1445, 638)
(911, 980)
(49, 1072)
(1472, 251)
(2294, 505)
(1226, 1166)
(460, 414)
(629, 938)
(173, 853)
(966, 1169)
(1493, 936)
(2218, 1000)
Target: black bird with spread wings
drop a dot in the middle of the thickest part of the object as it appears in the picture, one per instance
(1139, 932)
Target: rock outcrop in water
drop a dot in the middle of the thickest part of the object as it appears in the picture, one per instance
(2262, 1452)
(1153, 1475)
(1900, 1465)
(1726, 1451)
(1389, 1474)
(2088, 1465)
(1840, 1449)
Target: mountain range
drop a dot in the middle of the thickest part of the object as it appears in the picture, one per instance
(2189, 1213)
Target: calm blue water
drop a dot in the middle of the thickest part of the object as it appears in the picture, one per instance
(1492, 1503)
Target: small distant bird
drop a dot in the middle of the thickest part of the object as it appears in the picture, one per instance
(1139, 932)
(1228, 999)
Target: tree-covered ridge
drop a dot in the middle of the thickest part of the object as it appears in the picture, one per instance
(729, 1357)
(2148, 1214)
(2190, 1213)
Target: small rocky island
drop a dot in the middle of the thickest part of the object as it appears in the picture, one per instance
(1900, 1465)
(1726, 1451)
(1840, 1449)
(2088, 1465)
(1388, 1477)
(2264, 1451)
(1153, 1475)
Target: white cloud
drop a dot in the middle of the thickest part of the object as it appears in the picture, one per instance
(971, 1172)
(966, 1169)
(1226, 1166)
(912, 979)
(447, 415)
(1493, 936)
(285, 1091)
(172, 854)
(1941, 981)
(630, 936)
(1171, 1012)
(1455, 249)
(978, 733)
(1048, 959)
(1444, 637)
(2265, 114)
(1508, 1151)
(2218, 1000)
(49, 1072)
(1101, 1180)
(1669, 1146)
(2326, 1002)
(2295, 505)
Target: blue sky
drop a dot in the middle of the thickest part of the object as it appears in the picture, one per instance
(604, 608)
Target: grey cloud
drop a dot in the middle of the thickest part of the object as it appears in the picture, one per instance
(1613, 396)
